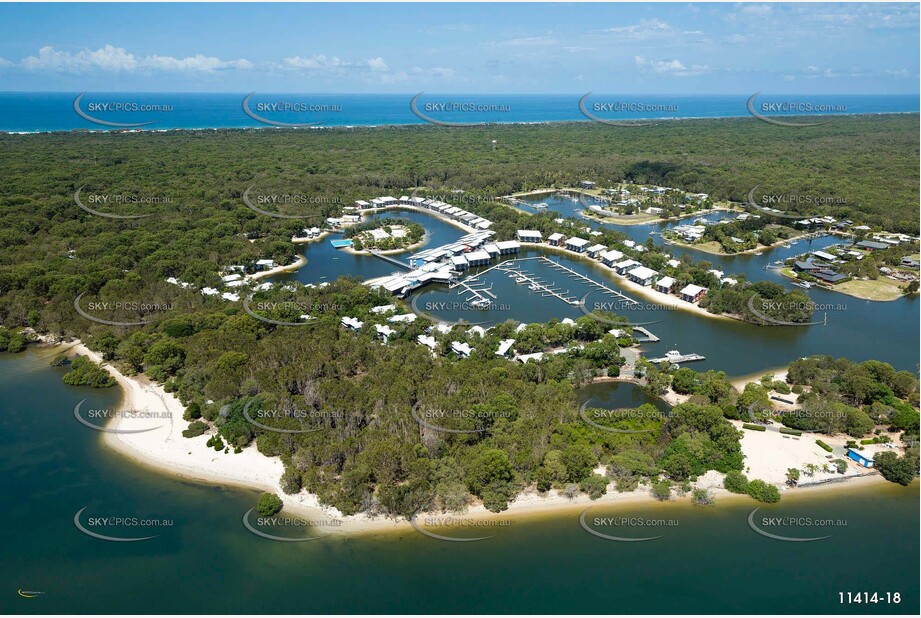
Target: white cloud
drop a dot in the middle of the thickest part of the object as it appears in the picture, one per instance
(897, 73)
(377, 64)
(674, 68)
(736, 39)
(116, 59)
(645, 29)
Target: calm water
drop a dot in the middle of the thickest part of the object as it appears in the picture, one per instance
(857, 329)
(54, 111)
(51, 467)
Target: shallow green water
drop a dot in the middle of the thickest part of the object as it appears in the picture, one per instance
(710, 562)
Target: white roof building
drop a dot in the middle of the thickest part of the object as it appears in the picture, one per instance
(383, 309)
(461, 349)
(504, 347)
(353, 323)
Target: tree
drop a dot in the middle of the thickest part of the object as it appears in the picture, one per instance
(269, 504)
(702, 497)
(662, 490)
(792, 477)
(763, 492)
(595, 486)
(489, 467)
(894, 468)
(735, 482)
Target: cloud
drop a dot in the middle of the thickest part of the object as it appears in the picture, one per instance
(674, 68)
(736, 39)
(897, 73)
(116, 59)
(647, 28)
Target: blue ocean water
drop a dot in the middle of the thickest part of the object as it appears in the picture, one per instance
(57, 111)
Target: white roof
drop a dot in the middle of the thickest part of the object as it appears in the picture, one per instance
(674, 263)
(461, 348)
(233, 277)
(641, 272)
(612, 255)
(478, 255)
(626, 264)
(459, 260)
(597, 247)
(577, 242)
(666, 282)
(477, 330)
(352, 322)
(692, 290)
(530, 233)
(209, 291)
(383, 308)
(383, 329)
(427, 341)
(405, 317)
(555, 236)
(504, 346)
(230, 296)
(265, 262)
(508, 244)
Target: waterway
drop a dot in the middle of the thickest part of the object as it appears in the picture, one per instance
(708, 560)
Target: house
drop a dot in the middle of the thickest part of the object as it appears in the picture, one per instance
(428, 341)
(462, 350)
(595, 250)
(524, 358)
(555, 239)
(910, 262)
(265, 264)
(806, 266)
(611, 257)
(530, 236)
(622, 267)
(692, 293)
(577, 244)
(405, 318)
(664, 285)
(352, 323)
(673, 263)
(864, 459)
(505, 346)
(587, 184)
(870, 245)
(822, 255)
(362, 205)
(383, 331)
(477, 330)
(383, 309)
(828, 276)
(642, 275)
(508, 247)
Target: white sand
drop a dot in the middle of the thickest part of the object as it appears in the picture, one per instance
(767, 454)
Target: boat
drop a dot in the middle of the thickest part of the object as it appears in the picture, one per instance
(759, 252)
(802, 284)
(539, 205)
(480, 303)
(533, 286)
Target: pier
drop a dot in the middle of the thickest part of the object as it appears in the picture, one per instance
(647, 337)
(577, 275)
(387, 258)
(677, 358)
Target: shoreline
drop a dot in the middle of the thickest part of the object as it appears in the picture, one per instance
(164, 450)
(300, 262)
(760, 248)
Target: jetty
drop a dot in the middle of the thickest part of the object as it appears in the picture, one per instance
(579, 276)
(647, 337)
(387, 258)
(674, 357)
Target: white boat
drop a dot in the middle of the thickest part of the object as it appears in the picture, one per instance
(533, 286)
(759, 253)
(539, 205)
(802, 284)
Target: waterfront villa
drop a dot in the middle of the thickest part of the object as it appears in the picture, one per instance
(611, 257)
(462, 350)
(555, 239)
(352, 323)
(642, 275)
(621, 268)
(664, 285)
(505, 346)
(384, 331)
(577, 244)
(530, 236)
(692, 293)
(595, 250)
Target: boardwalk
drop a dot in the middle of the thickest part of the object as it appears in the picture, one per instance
(387, 258)
(580, 277)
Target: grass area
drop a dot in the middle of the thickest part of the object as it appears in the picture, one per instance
(879, 289)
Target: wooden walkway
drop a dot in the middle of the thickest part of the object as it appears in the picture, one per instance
(579, 276)
(387, 258)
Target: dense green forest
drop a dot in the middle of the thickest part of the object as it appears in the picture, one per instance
(522, 420)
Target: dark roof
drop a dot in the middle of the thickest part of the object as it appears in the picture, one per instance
(828, 275)
(807, 265)
(869, 244)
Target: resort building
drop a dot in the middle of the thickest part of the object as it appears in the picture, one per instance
(404, 318)
(462, 350)
(621, 268)
(352, 323)
(505, 346)
(428, 341)
(530, 236)
(577, 244)
(478, 258)
(864, 459)
(692, 293)
(828, 276)
(508, 247)
(870, 245)
(587, 184)
(611, 257)
(555, 239)
(383, 309)
(383, 331)
(642, 275)
(595, 250)
(664, 285)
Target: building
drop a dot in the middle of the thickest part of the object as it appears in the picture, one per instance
(478, 258)
(352, 323)
(555, 239)
(611, 257)
(587, 184)
(692, 293)
(595, 250)
(807, 266)
(405, 318)
(577, 244)
(505, 346)
(642, 275)
(383, 331)
(822, 255)
(428, 341)
(383, 309)
(871, 245)
(622, 267)
(664, 285)
(828, 276)
(530, 236)
(864, 459)
(462, 350)
(508, 247)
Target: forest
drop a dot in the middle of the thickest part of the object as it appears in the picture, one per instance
(185, 190)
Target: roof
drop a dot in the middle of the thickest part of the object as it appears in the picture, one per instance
(555, 236)
(641, 272)
(665, 282)
(692, 290)
(869, 244)
(504, 346)
(508, 244)
(530, 233)
(626, 264)
(475, 256)
(578, 242)
(612, 255)
(598, 247)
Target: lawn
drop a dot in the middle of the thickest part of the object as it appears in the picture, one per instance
(879, 289)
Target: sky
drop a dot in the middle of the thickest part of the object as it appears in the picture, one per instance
(641, 48)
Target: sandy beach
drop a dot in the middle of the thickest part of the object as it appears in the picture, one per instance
(301, 260)
(164, 449)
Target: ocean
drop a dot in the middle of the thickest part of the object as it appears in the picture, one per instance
(29, 112)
